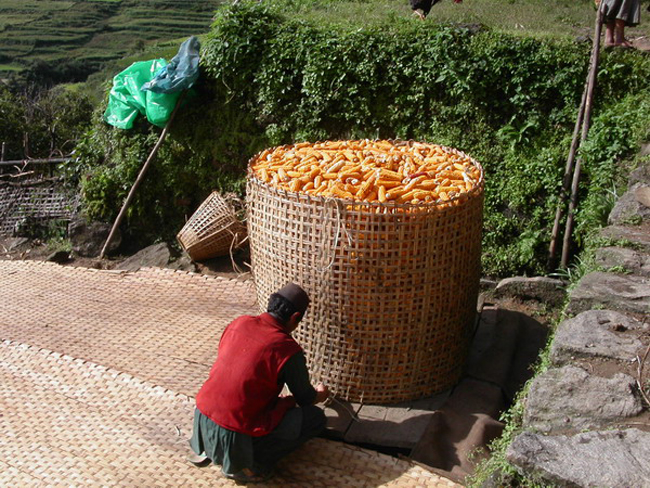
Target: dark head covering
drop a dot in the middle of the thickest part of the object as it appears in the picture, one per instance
(295, 295)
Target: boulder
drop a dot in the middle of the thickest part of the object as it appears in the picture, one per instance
(598, 290)
(487, 285)
(634, 205)
(601, 333)
(184, 263)
(623, 257)
(590, 459)
(88, 238)
(155, 256)
(570, 398)
(540, 288)
(642, 173)
(638, 236)
(11, 244)
(59, 257)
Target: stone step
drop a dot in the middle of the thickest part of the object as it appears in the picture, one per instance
(600, 290)
(637, 236)
(607, 458)
(570, 398)
(630, 260)
(598, 334)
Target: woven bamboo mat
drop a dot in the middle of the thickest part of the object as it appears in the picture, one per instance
(157, 324)
(110, 406)
(70, 422)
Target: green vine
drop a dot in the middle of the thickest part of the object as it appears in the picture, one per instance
(508, 101)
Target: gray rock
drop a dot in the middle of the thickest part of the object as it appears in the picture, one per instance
(632, 206)
(88, 238)
(642, 173)
(639, 236)
(541, 288)
(602, 333)
(623, 257)
(184, 263)
(598, 290)
(615, 458)
(59, 257)
(487, 285)
(570, 398)
(155, 256)
(14, 243)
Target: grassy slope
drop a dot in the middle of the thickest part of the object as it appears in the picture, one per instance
(119, 32)
(527, 17)
(93, 31)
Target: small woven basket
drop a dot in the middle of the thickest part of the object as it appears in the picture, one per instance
(393, 287)
(214, 229)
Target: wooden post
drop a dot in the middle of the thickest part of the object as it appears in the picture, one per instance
(591, 84)
(140, 177)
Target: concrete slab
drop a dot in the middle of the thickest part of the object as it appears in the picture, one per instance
(388, 426)
(340, 416)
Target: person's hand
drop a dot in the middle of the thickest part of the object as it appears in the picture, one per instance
(322, 393)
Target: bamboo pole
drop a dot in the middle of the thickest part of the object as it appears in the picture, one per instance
(140, 177)
(593, 75)
(566, 180)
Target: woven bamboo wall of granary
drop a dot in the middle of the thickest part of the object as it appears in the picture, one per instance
(393, 287)
(37, 199)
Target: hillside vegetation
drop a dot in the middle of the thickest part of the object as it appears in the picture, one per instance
(272, 75)
(67, 40)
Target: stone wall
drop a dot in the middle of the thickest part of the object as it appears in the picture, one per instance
(586, 420)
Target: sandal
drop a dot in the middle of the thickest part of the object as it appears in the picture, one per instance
(199, 460)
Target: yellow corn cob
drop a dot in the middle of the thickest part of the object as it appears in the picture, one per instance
(370, 171)
(282, 174)
(294, 185)
(386, 174)
(382, 194)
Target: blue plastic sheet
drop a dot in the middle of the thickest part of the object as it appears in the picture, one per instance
(181, 72)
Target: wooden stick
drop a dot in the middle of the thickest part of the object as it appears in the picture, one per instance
(566, 181)
(593, 75)
(639, 378)
(140, 177)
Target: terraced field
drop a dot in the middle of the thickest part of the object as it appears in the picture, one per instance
(93, 31)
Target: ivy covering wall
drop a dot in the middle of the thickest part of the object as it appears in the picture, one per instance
(268, 79)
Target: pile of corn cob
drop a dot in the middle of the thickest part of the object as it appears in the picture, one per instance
(369, 171)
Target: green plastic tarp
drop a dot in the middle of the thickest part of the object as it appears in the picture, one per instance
(126, 99)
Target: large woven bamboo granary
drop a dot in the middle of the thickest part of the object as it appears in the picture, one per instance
(385, 236)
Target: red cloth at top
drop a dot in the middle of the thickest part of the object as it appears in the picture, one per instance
(242, 391)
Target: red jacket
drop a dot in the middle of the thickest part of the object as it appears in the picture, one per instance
(242, 391)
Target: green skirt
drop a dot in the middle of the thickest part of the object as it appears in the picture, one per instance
(232, 450)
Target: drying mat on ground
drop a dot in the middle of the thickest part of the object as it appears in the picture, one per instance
(39, 200)
(157, 324)
(69, 422)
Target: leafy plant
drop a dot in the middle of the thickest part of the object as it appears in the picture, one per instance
(270, 79)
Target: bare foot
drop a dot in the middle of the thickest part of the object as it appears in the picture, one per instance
(419, 14)
(624, 45)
